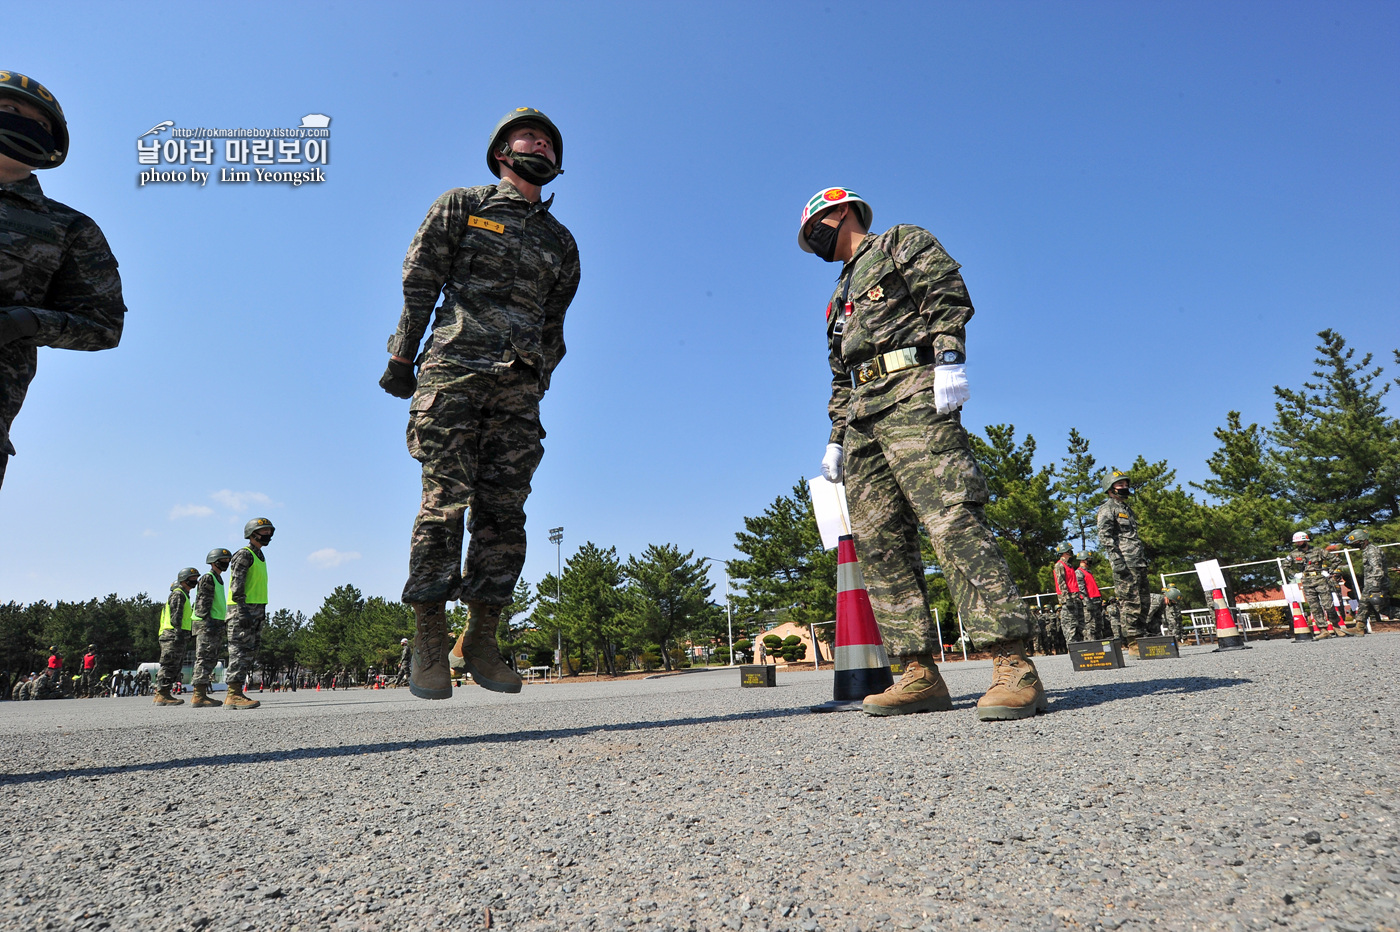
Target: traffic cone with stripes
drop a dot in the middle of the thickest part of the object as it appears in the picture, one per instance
(1301, 631)
(1227, 633)
(862, 666)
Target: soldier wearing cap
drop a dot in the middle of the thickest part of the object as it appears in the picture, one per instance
(1310, 569)
(1375, 585)
(1070, 594)
(895, 329)
(507, 271)
(210, 626)
(405, 662)
(1164, 613)
(247, 610)
(59, 285)
(1095, 624)
(1119, 541)
(176, 619)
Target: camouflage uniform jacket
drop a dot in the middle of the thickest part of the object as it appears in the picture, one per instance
(1313, 563)
(204, 596)
(1118, 534)
(508, 271)
(1336, 564)
(177, 607)
(238, 574)
(904, 291)
(405, 654)
(1374, 581)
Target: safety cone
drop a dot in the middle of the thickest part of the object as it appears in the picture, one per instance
(1301, 631)
(862, 666)
(1227, 633)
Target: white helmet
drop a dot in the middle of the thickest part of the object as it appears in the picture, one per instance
(832, 197)
(1301, 537)
(403, 640)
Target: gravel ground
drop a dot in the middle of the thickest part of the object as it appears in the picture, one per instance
(1242, 790)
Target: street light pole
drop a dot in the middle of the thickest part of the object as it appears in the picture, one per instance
(556, 537)
(728, 606)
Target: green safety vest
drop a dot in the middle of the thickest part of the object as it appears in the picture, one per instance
(218, 608)
(186, 618)
(255, 585)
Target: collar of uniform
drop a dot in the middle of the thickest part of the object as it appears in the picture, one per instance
(506, 189)
(861, 247)
(28, 190)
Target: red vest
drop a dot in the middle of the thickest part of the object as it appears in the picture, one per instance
(1090, 585)
(1070, 582)
(89, 661)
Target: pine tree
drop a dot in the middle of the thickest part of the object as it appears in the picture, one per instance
(1170, 521)
(669, 593)
(785, 574)
(1078, 487)
(1027, 519)
(1336, 450)
(1250, 517)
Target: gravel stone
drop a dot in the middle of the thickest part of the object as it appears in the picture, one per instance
(1244, 790)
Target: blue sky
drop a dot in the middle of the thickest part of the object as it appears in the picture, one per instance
(1156, 207)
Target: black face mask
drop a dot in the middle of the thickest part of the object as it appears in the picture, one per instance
(822, 239)
(536, 169)
(26, 140)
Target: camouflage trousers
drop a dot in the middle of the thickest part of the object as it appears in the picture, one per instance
(17, 364)
(244, 634)
(1317, 597)
(1096, 626)
(908, 465)
(479, 445)
(1072, 618)
(1368, 607)
(1134, 600)
(209, 637)
(172, 656)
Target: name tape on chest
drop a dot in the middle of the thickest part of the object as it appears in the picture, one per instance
(481, 223)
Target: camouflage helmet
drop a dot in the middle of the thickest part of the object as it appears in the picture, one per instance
(513, 119)
(188, 574)
(1173, 593)
(1359, 536)
(257, 524)
(217, 554)
(19, 144)
(1086, 556)
(1064, 548)
(832, 197)
(1112, 476)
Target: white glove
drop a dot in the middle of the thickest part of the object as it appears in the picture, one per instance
(950, 389)
(831, 463)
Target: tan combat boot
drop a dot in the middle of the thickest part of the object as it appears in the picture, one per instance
(236, 699)
(479, 653)
(920, 689)
(1016, 690)
(201, 700)
(430, 678)
(163, 697)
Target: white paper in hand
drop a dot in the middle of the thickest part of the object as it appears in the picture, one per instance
(829, 503)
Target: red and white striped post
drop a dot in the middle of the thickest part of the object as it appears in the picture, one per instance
(862, 666)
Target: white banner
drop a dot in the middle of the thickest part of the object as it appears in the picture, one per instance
(1211, 576)
(829, 503)
(1293, 592)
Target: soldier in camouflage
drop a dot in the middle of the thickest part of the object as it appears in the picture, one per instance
(247, 610)
(1071, 596)
(59, 285)
(1337, 582)
(507, 271)
(1375, 583)
(210, 626)
(1095, 624)
(1310, 566)
(1164, 613)
(895, 330)
(175, 622)
(405, 663)
(1119, 541)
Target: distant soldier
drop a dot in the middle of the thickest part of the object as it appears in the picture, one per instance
(405, 659)
(896, 328)
(1311, 566)
(1095, 625)
(1071, 600)
(59, 285)
(246, 611)
(1375, 582)
(1165, 613)
(89, 678)
(55, 666)
(176, 620)
(1119, 541)
(47, 686)
(210, 626)
(1337, 581)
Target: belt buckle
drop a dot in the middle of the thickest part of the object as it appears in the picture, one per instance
(868, 371)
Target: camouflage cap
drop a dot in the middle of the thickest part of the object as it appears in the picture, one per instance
(515, 118)
(14, 84)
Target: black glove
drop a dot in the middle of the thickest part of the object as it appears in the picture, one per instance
(398, 379)
(16, 323)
